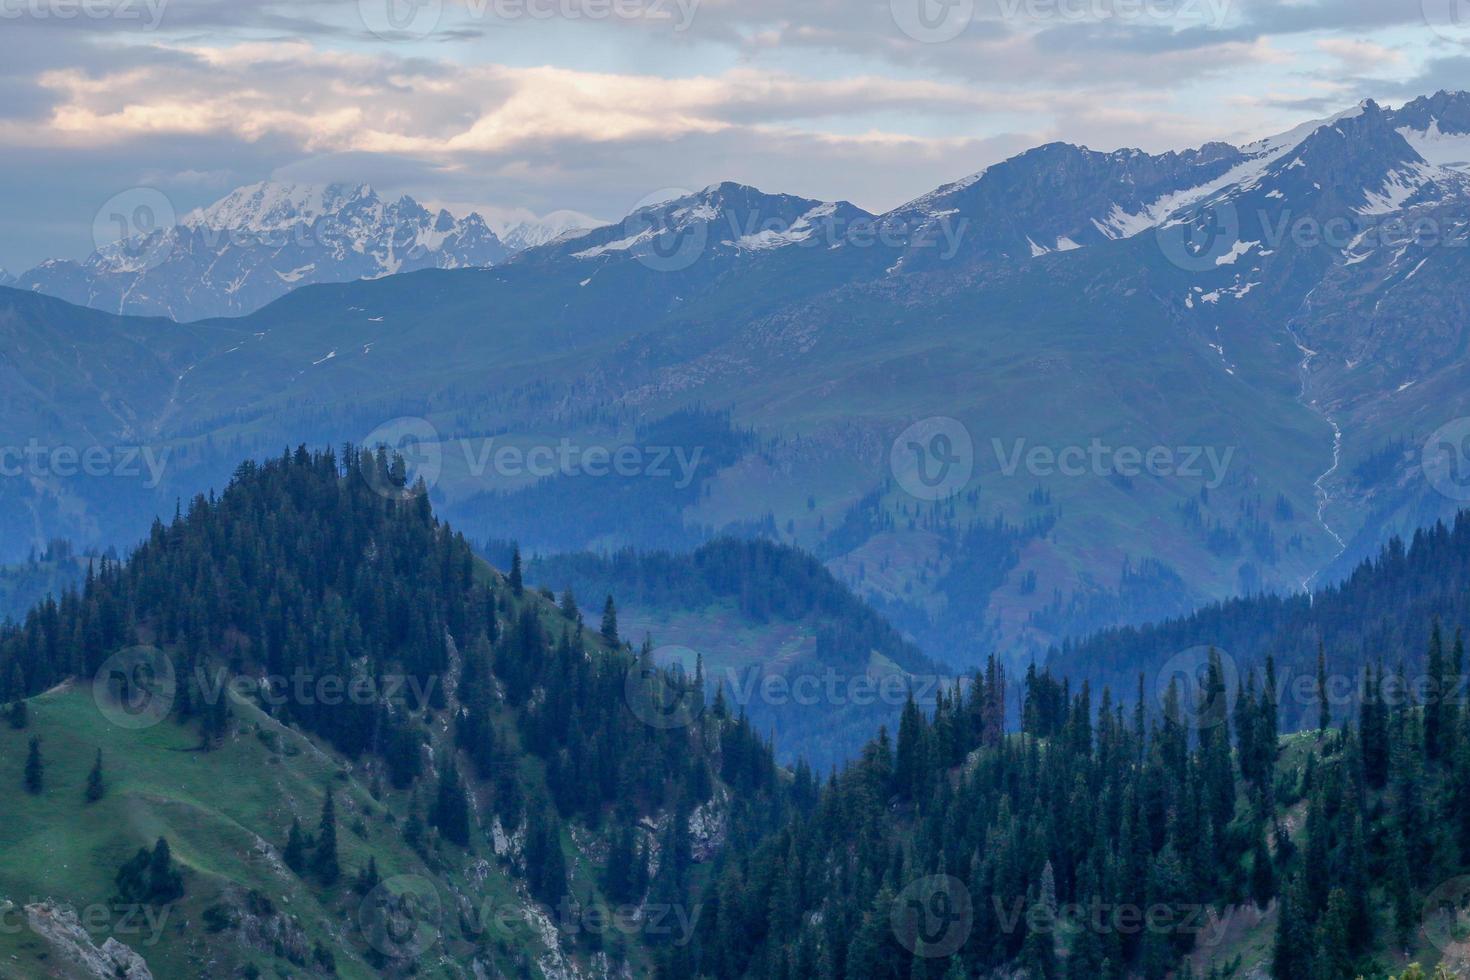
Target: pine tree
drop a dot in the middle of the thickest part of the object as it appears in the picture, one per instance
(610, 621)
(96, 788)
(1436, 699)
(1263, 876)
(568, 605)
(1399, 887)
(517, 584)
(413, 831)
(1293, 954)
(165, 882)
(150, 878)
(1324, 709)
(324, 862)
(34, 768)
(451, 810)
(368, 878)
(19, 715)
(294, 855)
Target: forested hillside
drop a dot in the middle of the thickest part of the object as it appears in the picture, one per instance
(1387, 609)
(757, 610)
(47, 572)
(317, 644)
(1116, 847)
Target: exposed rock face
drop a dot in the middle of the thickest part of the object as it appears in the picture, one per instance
(59, 926)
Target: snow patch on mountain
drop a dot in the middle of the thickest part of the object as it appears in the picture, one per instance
(1451, 150)
(1398, 189)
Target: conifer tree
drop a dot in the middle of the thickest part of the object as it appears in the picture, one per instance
(1436, 697)
(96, 788)
(294, 855)
(517, 584)
(324, 861)
(368, 878)
(1324, 709)
(166, 883)
(451, 814)
(35, 770)
(568, 605)
(610, 621)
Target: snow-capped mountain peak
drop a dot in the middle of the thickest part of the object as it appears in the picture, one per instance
(727, 219)
(272, 206)
(519, 234)
(259, 242)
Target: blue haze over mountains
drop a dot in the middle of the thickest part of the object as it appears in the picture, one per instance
(1261, 301)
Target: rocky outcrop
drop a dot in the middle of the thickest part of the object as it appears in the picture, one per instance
(60, 927)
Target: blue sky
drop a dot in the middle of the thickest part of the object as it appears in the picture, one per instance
(520, 107)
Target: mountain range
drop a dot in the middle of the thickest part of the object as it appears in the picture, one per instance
(259, 242)
(1076, 389)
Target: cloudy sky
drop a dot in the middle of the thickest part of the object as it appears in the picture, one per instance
(526, 106)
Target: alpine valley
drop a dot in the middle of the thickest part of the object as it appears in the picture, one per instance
(1061, 576)
(1175, 377)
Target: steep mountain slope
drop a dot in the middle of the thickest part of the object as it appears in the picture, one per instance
(84, 397)
(257, 244)
(1222, 388)
(474, 781)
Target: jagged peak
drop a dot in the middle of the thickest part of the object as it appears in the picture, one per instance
(273, 205)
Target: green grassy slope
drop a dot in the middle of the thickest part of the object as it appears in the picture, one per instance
(225, 814)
